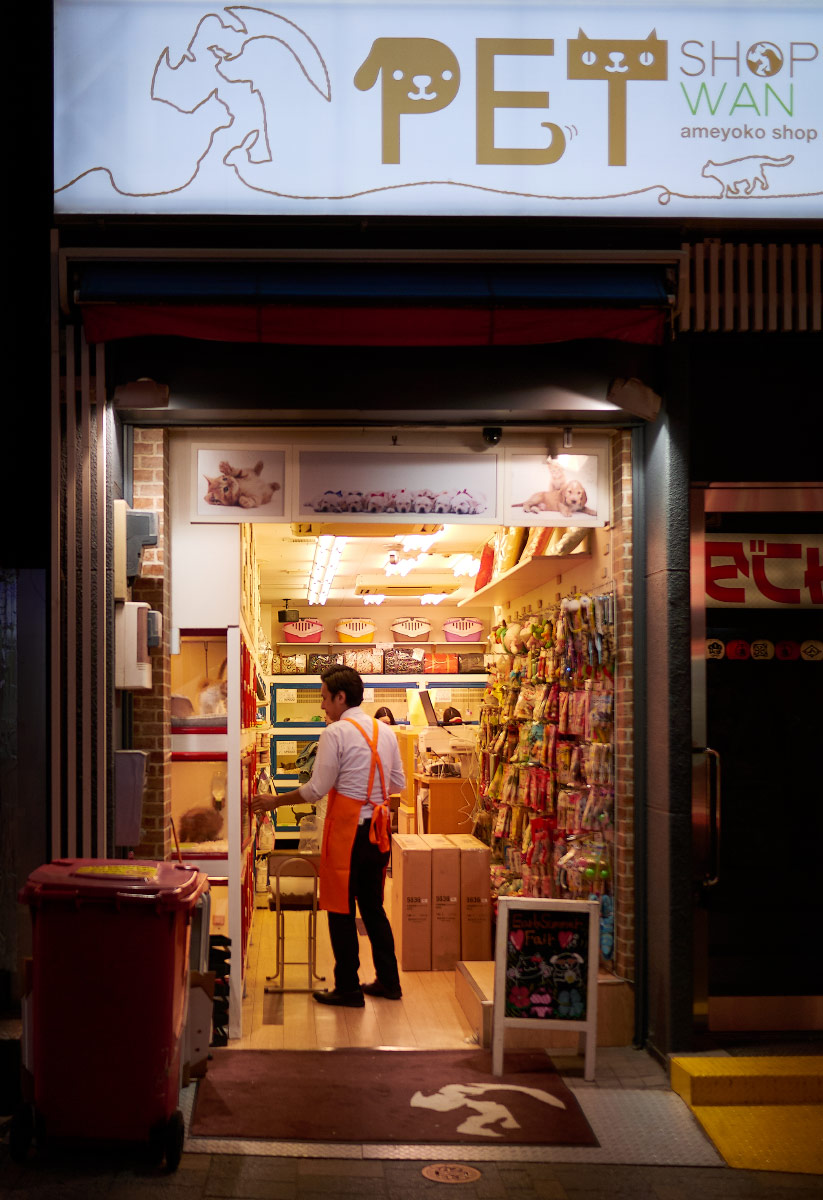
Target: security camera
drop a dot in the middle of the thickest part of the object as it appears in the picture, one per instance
(492, 435)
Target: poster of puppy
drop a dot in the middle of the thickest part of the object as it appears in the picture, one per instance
(400, 486)
(565, 489)
(234, 483)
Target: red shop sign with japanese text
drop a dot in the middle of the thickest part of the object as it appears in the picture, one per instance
(764, 571)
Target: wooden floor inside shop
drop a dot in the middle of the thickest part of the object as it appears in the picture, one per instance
(428, 1016)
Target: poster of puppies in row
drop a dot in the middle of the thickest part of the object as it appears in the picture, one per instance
(556, 490)
(399, 486)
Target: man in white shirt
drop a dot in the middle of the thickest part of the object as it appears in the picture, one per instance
(358, 764)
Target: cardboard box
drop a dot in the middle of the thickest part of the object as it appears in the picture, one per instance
(406, 819)
(445, 903)
(411, 901)
(475, 898)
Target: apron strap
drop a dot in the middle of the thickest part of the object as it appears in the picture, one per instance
(380, 820)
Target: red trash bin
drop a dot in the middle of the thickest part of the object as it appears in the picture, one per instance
(110, 965)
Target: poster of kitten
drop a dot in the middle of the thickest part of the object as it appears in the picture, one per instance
(236, 483)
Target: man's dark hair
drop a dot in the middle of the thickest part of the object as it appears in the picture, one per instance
(344, 679)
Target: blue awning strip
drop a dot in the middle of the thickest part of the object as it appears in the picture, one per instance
(580, 284)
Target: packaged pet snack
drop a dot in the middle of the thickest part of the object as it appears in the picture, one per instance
(292, 664)
(397, 661)
(366, 661)
(318, 663)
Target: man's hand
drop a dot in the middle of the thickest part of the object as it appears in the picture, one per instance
(264, 802)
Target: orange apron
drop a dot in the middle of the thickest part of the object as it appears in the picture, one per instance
(340, 830)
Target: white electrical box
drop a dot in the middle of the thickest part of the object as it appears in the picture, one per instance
(132, 664)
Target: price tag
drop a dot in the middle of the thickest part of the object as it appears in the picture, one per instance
(287, 749)
(441, 695)
(287, 695)
(368, 694)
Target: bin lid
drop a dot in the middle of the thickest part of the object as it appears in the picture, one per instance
(115, 880)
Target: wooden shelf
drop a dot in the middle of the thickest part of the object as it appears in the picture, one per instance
(526, 576)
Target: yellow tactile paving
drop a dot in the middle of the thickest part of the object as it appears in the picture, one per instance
(754, 1080)
(766, 1137)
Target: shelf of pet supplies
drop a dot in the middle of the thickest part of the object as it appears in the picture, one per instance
(525, 576)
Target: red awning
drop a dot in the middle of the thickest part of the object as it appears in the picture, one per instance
(333, 325)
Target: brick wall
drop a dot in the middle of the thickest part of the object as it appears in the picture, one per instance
(152, 710)
(624, 722)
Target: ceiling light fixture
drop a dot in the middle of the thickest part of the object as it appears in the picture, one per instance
(465, 564)
(401, 566)
(433, 597)
(378, 598)
(327, 555)
(421, 541)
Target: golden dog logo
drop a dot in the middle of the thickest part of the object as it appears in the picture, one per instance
(419, 75)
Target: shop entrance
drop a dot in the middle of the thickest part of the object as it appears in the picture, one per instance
(756, 815)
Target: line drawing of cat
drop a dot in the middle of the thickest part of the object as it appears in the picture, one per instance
(239, 486)
(213, 693)
(618, 61)
(748, 171)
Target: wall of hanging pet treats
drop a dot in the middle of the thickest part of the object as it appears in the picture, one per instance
(547, 762)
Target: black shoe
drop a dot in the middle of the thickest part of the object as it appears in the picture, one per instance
(341, 999)
(385, 993)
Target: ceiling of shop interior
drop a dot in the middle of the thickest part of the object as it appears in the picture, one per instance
(285, 562)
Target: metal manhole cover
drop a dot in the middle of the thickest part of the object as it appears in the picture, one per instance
(451, 1173)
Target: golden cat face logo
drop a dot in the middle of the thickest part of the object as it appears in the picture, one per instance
(618, 61)
(420, 75)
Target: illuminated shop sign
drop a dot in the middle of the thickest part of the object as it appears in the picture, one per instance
(512, 109)
(764, 571)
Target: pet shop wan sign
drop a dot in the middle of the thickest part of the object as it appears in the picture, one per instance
(521, 109)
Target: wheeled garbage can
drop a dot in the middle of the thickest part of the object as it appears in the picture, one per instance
(104, 1022)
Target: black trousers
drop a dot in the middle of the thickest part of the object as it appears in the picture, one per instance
(368, 866)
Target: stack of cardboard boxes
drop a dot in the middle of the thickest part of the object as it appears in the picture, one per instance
(441, 900)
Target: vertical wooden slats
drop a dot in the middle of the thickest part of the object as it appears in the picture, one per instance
(726, 287)
(102, 591)
(787, 289)
(757, 286)
(86, 548)
(743, 288)
(772, 287)
(55, 573)
(802, 289)
(714, 286)
(79, 601)
(69, 617)
(699, 288)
